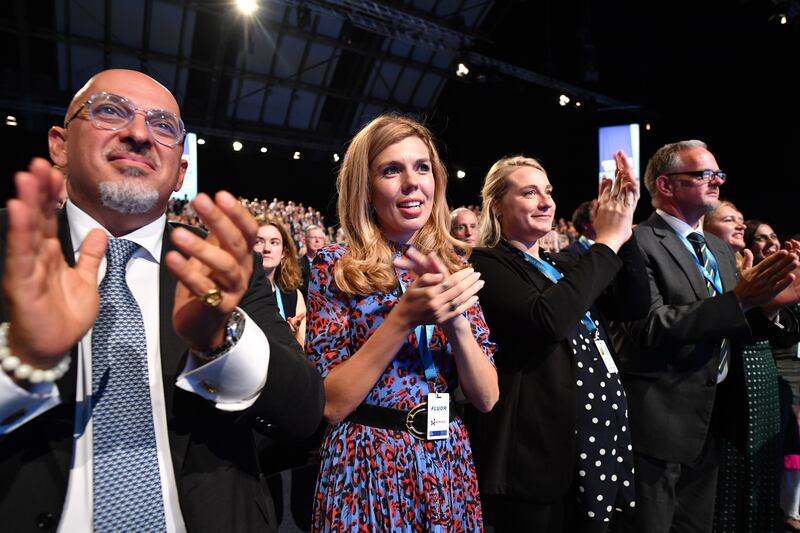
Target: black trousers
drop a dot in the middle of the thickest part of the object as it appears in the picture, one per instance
(510, 515)
(673, 497)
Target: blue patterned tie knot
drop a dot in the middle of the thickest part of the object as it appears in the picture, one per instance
(119, 252)
(127, 483)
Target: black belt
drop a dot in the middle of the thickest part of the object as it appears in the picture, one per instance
(414, 421)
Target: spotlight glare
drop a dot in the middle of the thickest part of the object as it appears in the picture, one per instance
(296, 155)
(563, 99)
(578, 104)
(237, 146)
(201, 141)
(647, 126)
(11, 120)
(462, 70)
(247, 7)
(336, 158)
(263, 149)
(461, 174)
(783, 19)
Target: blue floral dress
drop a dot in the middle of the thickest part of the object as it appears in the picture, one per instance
(374, 479)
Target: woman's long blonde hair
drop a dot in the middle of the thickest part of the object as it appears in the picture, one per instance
(368, 266)
(494, 187)
(287, 274)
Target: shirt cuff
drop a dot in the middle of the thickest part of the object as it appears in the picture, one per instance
(18, 405)
(233, 380)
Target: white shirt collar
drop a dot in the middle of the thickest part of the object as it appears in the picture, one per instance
(150, 236)
(679, 225)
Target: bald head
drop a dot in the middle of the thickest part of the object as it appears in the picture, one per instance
(120, 77)
(121, 175)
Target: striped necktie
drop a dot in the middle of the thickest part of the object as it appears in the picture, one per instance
(698, 242)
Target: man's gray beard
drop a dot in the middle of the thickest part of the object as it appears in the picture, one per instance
(710, 205)
(129, 196)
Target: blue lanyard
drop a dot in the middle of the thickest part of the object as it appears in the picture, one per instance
(280, 302)
(555, 276)
(424, 334)
(583, 241)
(715, 280)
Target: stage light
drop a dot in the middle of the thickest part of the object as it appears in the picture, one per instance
(563, 99)
(296, 155)
(462, 70)
(647, 126)
(237, 146)
(11, 120)
(247, 7)
(201, 141)
(336, 158)
(461, 174)
(578, 104)
(263, 149)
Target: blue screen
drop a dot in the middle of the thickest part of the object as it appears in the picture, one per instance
(613, 138)
(189, 187)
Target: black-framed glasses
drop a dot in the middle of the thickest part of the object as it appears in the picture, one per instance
(702, 176)
(108, 111)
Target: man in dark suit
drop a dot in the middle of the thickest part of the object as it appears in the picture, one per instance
(674, 360)
(315, 240)
(582, 221)
(102, 439)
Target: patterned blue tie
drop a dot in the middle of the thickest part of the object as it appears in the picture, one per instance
(127, 486)
(701, 250)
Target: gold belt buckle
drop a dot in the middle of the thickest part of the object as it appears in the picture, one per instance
(417, 409)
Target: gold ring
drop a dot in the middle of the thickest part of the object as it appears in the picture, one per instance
(212, 297)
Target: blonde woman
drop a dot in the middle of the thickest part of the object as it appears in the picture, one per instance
(555, 454)
(393, 327)
(279, 258)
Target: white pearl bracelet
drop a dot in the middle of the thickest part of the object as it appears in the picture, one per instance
(23, 371)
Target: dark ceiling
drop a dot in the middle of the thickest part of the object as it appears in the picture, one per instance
(305, 75)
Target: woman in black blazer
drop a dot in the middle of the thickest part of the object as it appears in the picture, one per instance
(554, 454)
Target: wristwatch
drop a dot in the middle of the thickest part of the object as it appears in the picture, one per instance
(233, 332)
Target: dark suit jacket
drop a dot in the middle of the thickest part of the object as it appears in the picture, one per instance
(574, 250)
(219, 484)
(305, 269)
(669, 359)
(525, 447)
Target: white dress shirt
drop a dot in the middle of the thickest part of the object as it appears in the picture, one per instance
(236, 378)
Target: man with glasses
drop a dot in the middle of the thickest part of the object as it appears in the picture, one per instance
(131, 379)
(314, 239)
(674, 360)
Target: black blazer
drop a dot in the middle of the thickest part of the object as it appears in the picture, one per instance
(669, 359)
(219, 484)
(305, 270)
(525, 447)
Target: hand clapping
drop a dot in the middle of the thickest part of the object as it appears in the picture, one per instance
(436, 296)
(223, 261)
(616, 203)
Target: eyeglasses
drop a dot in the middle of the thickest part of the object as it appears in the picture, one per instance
(109, 111)
(701, 176)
